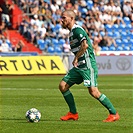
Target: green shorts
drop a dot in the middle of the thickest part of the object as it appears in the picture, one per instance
(77, 76)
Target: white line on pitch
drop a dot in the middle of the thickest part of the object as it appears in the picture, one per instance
(43, 89)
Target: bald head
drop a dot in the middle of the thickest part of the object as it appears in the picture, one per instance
(69, 13)
(68, 19)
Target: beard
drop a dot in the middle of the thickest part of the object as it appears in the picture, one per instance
(64, 26)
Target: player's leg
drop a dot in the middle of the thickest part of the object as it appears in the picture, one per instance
(71, 78)
(68, 96)
(102, 98)
(106, 103)
(90, 80)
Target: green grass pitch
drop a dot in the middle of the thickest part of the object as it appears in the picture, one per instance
(20, 93)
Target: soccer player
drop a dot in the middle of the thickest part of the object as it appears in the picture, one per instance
(84, 69)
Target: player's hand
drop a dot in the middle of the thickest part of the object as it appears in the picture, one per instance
(75, 62)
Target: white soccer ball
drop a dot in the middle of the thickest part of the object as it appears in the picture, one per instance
(33, 115)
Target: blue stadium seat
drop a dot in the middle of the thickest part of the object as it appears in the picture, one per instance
(130, 36)
(61, 41)
(55, 41)
(128, 27)
(126, 48)
(110, 34)
(115, 27)
(84, 10)
(125, 42)
(130, 42)
(123, 33)
(131, 48)
(109, 28)
(102, 33)
(119, 48)
(56, 28)
(48, 41)
(58, 49)
(89, 4)
(112, 48)
(105, 48)
(50, 50)
(42, 46)
(116, 34)
(118, 42)
(127, 20)
(41, 42)
(122, 27)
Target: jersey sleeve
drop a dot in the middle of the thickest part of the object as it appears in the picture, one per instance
(80, 34)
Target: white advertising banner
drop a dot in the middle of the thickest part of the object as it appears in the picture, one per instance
(112, 64)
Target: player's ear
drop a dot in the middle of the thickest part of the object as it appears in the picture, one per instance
(72, 18)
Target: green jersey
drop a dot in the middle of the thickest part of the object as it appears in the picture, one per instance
(77, 35)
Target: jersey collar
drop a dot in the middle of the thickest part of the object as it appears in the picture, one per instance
(74, 26)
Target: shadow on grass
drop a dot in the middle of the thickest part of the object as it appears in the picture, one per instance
(23, 120)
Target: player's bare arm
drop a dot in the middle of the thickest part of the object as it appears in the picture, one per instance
(81, 51)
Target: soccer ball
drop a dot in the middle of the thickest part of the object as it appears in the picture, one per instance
(33, 115)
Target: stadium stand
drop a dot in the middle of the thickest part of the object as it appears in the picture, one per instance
(38, 23)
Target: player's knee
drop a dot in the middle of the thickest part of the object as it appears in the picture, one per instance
(94, 92)
(63, 86)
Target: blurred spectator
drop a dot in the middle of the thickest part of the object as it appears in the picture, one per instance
(18, 47)
(60, 2)
(75, 8)
(68, 5)
(54, 6)
(127, 10)
(24, 26)
(95, 8)
(35, 20)
(42, 31)
(43, 6)
(1, 29)
(63, 33)
(118, 10)
(5, 9)
(49, 32)
(0, 48)
(98, 24)
(5, 47)
(56, 16)
(131, 27)
(34, 9)
(96, 46)
(66, 47)
(33, 32)
(90, 25)
(23, 5)
(48, 16)
(1, 36)
(106, 41)
(41, 21)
